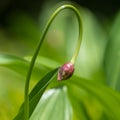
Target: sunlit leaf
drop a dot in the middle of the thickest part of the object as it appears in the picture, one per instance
(18, 65)
(53, 105)
(21, 65)
(47, 62)
(36, 93)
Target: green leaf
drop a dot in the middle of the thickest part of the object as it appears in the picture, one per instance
(36, 94)
(109, 99)
(21, 65)
(53, 105)
(48, 63)
(112, 56)
(18, 65)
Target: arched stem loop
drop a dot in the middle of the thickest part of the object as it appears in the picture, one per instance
(66, 6)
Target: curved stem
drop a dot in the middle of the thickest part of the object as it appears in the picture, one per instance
(67, 6)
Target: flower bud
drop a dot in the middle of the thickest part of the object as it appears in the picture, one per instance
(65, 71)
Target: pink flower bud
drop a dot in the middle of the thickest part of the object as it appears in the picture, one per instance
(65, 71)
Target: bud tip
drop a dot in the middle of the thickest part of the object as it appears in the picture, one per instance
(65, 71)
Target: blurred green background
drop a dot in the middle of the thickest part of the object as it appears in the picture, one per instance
(21, 24)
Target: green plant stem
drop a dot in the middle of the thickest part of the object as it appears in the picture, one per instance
(26, 95)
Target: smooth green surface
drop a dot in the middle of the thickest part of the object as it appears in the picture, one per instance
(53, 105)
(107, 97)
(21, 65)
(45, 62)
(112, 56)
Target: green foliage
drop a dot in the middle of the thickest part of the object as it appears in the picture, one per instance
(54, 103)
(112, 56)
(35, 94)
(106, 96)
(93, 91)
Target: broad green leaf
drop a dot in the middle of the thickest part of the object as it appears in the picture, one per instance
(36, 94)
(106, 96)
(48, 63)
(21, 65)
(112, 56)
(53, 105)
